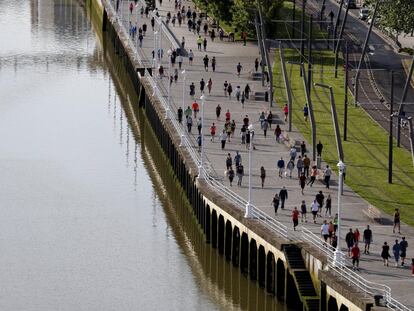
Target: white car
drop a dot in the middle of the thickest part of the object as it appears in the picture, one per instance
(363, 14)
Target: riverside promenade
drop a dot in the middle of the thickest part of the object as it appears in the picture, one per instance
(267, 151)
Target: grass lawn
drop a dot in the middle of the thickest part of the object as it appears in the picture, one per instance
(285, 30)
(365, 151)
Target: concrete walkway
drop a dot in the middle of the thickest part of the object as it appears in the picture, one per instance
(268, 151)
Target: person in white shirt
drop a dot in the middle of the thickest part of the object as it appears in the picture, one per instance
(314, 209)
(325, 230)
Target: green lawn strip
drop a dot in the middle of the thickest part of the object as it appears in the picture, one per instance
(366, 151)
(284, 30)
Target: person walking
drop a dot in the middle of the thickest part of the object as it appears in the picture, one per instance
(223, 139)
(247, 91)
(202, 85)
(225, 86)
(190, 57)
(239, 68)
(302, 148)
(290, 166)
(355, 254)
(195, 107)
(281, 167)
(328, 206)
(240, 174)
(396, 252)
(320, 199)
(303, 211)
(325, 231)
(319, 148)
(199, 126)
(205, 44)
(275, 202)
(385, 254)
(292, 153)
(295, 218)
(367, 238)
(262, 175)
(199, 42)
(192, 89)
(299, 166)
(306, 165)
(199, 142)
(213, 63)
(283, 195)
(229, 161)
(205, 60)
(256, 65)
(188, 112)
(238, 92)
(302, 182)
(314, 210)
(218, 111)
(189, 124)
(397, 217)
(209, 86)
(314, 173)
(350, 240)
(180, 114)
(237, 159)
(231, 175)
(278, 132)
(336, 222)
(305, 112)
(286, 111)
(229, 90)
(213, 131)
(403, 250)
(327, 176)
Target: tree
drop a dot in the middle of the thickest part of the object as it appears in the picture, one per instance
(397, 15)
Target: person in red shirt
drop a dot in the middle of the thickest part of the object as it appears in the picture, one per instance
(286, 111)
(228, 115)
(295, 218)
(355, 253)
(213, 131)
(195, 108)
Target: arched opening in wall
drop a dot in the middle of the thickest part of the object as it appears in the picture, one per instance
(207, 227)
(280, 279)
(343, 308)
(244, 253)
(292, 293)
(229, 233)
(270, 273)
(236, 247)
(221, 235)
(253, 260)
(332, 304)
(262, 266)
(214, 228)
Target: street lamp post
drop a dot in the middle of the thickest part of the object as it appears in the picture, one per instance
(167, 111)
(155, 50)
(249, 198)
(337, 254)
(200, 168)
(183, 106)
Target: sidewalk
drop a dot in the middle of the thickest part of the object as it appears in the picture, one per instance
(268, 151)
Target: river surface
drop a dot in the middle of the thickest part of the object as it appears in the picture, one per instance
(86, 220)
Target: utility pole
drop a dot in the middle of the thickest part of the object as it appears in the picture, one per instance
(404, 96)
(293, 18)
(337, 44)
(390, 139)
(338, 15)
(302, 33)
(364, 49)
(346, 91)
(310, 55)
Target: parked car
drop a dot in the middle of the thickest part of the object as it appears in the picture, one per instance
(363, 14)
(350, 3)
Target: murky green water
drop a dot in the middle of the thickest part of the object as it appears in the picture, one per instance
(86, 220)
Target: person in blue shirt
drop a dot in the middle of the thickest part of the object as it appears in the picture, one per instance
(281, 166)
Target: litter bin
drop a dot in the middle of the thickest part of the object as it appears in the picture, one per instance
(318, 162)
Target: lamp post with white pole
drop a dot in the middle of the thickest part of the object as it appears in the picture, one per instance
(338, 254)
(155, 50)
(167, 111)
(183, 106)
(200, 168)
(249, 198)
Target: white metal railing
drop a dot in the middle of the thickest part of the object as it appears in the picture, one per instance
(339, 267)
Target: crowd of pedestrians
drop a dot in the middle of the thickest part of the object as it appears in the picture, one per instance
(229, 127)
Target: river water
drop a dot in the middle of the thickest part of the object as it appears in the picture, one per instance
(87, 222)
